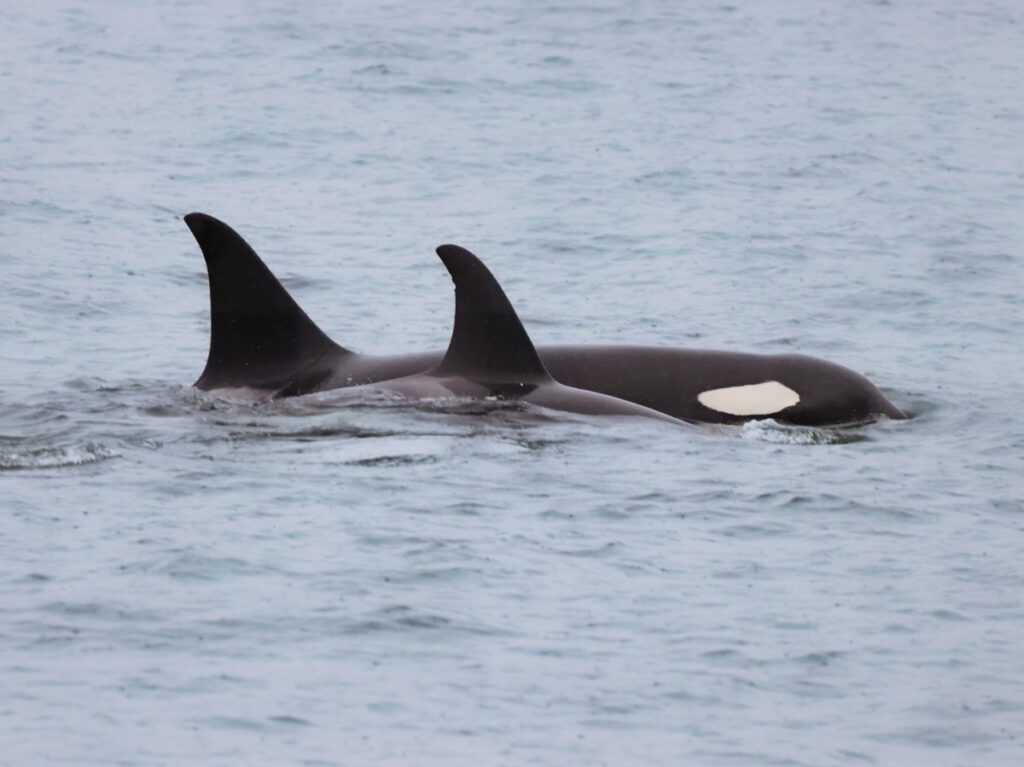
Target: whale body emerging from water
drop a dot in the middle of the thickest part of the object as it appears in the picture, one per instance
(490, 354)
(264, 346)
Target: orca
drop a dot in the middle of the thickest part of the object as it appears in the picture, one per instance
(490, 354)
(263, 346)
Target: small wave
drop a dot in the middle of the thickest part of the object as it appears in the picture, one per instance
(258, 431)
(55, 457)
(234, 723)
(291, 721)
(374, 69)
(915, 404)
(193, 566)
(401, 619)
(371, 399)
(778, 434)
(392, 460)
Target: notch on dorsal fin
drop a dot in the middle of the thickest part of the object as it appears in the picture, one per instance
(259, 337)
(488, 344)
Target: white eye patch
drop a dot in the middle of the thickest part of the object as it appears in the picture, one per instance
(756, 399)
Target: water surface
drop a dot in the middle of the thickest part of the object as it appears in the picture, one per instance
(190, 581)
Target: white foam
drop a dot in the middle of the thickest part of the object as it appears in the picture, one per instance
(775, 433)
(56, 457)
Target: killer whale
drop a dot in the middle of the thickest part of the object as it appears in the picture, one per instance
(264, 346)
(490, 354)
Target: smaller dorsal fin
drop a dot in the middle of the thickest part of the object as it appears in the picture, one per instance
(488, 344)
(259, 337)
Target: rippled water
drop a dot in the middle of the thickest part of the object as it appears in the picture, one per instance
(190, 581)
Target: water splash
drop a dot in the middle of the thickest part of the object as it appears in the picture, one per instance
(776, 433)
(56, 457)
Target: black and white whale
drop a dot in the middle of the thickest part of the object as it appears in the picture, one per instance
(491, 356)
(263, 346)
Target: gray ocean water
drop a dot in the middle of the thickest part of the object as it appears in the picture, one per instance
(189, 581)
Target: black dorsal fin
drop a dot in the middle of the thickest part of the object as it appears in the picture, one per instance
(259, 337)
(489, 344)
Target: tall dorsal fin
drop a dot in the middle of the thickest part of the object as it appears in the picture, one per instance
(259, 337)
(489, 344)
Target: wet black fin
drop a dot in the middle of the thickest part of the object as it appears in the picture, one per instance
(259, 337)
(489, 344)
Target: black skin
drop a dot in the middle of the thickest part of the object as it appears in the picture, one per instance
(664, 379)
(490, 354)
(264, 346)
